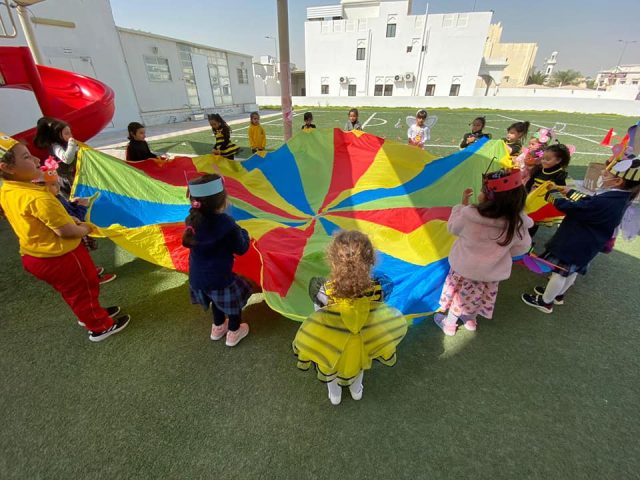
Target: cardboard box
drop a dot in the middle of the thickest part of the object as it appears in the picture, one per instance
(594, 171)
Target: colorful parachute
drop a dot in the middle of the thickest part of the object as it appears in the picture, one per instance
(292, 200)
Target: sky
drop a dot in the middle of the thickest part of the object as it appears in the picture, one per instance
(585, 33)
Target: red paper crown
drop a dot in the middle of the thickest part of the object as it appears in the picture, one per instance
(510, 181)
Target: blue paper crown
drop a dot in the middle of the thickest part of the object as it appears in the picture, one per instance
(207, 189)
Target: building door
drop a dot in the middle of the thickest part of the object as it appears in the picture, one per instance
(203, 81)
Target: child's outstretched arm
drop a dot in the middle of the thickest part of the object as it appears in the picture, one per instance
(240, 240)
(581, 208)
(66, 155)
(73, 230)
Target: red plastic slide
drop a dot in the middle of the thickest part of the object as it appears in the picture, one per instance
(87, 105)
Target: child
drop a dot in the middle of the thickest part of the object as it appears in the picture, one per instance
(50, 243)
(213, 238)
(257, 137)
(308, 121)
(476, 132)
(489, 235)
(353, 123)
(553, 167)
(344, 338)
(419, 133)
(586, 229)
(138, 148)
(77, 208)
(55, 136)
(515, 133)
(224, 146)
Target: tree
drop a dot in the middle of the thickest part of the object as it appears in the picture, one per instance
(591, 83)
(536, 77)
(565, 77)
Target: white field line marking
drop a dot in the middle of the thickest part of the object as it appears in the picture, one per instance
(384, 122)
(563, 133)
(366, 122)
(265, 123)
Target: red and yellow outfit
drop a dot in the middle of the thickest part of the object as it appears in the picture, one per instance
(64, 263)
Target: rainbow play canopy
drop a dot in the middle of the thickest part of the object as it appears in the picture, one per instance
(292, 200)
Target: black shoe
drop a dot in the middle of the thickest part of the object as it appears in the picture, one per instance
(119, 324)
(113, 311)
(559, 300)
(536, 301)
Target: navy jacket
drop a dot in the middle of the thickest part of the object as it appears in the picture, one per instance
(138, 150)
(217, 239)
(588, 225)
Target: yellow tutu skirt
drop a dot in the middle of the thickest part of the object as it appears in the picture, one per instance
(344, 338)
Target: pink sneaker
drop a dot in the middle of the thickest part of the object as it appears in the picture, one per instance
(219, 331)
(471, 325)
(449, 330)
(233, 338)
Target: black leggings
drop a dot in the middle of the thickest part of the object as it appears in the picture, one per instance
(219, 317)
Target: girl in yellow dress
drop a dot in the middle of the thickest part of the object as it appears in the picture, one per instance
(354, 328)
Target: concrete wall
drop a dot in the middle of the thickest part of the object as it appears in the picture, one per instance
(617, 92)
(573, 105)
(454, 45)
(242, 93)
(76, 49)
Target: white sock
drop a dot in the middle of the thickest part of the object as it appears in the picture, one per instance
(554, 288)
(334, 389)
(451, 319)
(356, 386)
(571, 279)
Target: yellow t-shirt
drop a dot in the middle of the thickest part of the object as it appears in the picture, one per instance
(33, 213)
(257, 137)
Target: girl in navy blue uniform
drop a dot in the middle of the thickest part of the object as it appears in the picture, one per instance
(213, 238)
(588, 226)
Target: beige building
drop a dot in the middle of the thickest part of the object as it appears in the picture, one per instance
(518, 56)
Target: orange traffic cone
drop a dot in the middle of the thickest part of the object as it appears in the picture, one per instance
(606, 141)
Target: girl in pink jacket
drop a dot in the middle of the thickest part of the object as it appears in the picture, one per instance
(489, 235)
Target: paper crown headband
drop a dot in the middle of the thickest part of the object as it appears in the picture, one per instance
(502, 180)
(207, 189)
(624, 162)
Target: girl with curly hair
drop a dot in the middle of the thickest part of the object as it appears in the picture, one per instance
(353, 328)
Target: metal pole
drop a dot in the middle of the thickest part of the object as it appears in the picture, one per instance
(285, 68)
(624, 48)
(23, 15)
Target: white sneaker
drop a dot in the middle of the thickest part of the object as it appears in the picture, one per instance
(356, 391)
(335, 392)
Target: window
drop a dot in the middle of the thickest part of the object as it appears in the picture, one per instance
(431, 90)
(360, 53)
(448, 20)
(184, 52)
(463, 20)
(634, 82)
(454, 90)
(243, 76)
(409, 48)
(391, 30)
(157, 68)
(352, 90)
(377, 90)
(388, 90)
(324, 89)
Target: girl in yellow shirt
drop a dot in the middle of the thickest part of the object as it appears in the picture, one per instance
(257, 137)
(50, 243)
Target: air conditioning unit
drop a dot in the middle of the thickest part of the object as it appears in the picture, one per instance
(344, 80)
(398, 78)
(409, 77)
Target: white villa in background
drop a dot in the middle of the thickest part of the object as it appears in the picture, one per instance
(628, 75)
(378, 48)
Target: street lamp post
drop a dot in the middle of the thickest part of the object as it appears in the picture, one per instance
(285, 66)
(275, 45)
(624, 48)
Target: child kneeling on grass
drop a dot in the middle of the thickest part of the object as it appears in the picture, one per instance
(343, 338)
(51, 243)
(489, 235)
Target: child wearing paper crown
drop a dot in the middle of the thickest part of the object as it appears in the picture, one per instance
(354, 328)
(213, 238)
(489, 233)
(50, 243)
(587, 228)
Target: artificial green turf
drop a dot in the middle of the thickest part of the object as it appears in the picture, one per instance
(526, 396)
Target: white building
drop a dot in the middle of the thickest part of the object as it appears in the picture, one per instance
(155, 79)
(628, 75)
(378, 48)
(267, 81)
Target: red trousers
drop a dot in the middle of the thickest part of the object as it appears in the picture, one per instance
(74, 276)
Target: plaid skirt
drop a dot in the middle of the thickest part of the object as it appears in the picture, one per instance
(565, 269)
(231, 299)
